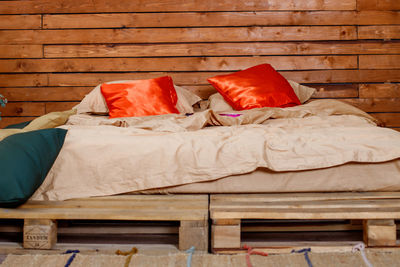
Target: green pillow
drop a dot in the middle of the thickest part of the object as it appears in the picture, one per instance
(25, 160)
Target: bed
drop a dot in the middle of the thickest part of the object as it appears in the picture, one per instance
(311, 146)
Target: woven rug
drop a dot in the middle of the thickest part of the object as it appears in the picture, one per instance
(207, 260)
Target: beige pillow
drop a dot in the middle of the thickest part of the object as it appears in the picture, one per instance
(303, 92)
(94, 101)
(218, 103)
(50, 120)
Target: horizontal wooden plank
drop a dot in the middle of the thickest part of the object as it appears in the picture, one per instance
(378, 17)
(311, 214)
(335, 90)
(200, 78)
(60, 106)
(376, 104)
(224, 19)
(20, 21)
(192, 78)
(333, 227)
(390, 119)
(140, 207)
(173, 205)
(99, 6)
(278, 197)
(222, 49)
(306, 206)
(378, 5)
(379, 61)
(21, 51)
(343, 76)
(23, 109)
(385, 32)
(5, 121)
(162, 35)
(380, 90)
(17, 80)
(114, 214)
(379, 76)
(176, 64)
(45, 93)
(321, 204)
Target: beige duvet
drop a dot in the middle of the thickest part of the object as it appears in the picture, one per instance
(104, 157)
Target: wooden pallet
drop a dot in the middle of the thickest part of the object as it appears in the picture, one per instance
(377, 211)
(40, 217)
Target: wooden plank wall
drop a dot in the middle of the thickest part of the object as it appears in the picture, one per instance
(53, 52)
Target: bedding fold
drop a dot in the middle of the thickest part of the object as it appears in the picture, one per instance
(99, 158)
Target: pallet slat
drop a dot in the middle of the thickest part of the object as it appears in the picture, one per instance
(305, 196)
(377, 210)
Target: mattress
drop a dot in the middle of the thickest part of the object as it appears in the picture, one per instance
(348, 177)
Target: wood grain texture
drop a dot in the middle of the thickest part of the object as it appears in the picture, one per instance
(54, 52)
(376, 104)
(221, 19)
(222, 49)
(165, 35)
(23, 109)
(5, 121)
(58, 93)
(334, 90)
(380, 90)
(379, 61)
(20, 21)
(200, 78)
(59, 106)
(138, 208)
(21, 51)
(390, 119)
(11, 80)
(99, 6)
(378, 5)
(177, 64)
(304, 206)
(386, 32)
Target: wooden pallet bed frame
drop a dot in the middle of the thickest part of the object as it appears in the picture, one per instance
(346, 49)
(377, 210)
(40, 217)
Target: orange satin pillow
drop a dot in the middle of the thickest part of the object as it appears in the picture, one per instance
(140, 97)
(255, 87)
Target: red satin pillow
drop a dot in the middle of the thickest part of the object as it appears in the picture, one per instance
(140, 97)
(255, 87)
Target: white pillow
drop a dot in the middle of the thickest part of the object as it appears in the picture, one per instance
(218, 103)
(94, 101)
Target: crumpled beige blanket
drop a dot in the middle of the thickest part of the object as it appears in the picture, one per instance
(159, 151)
